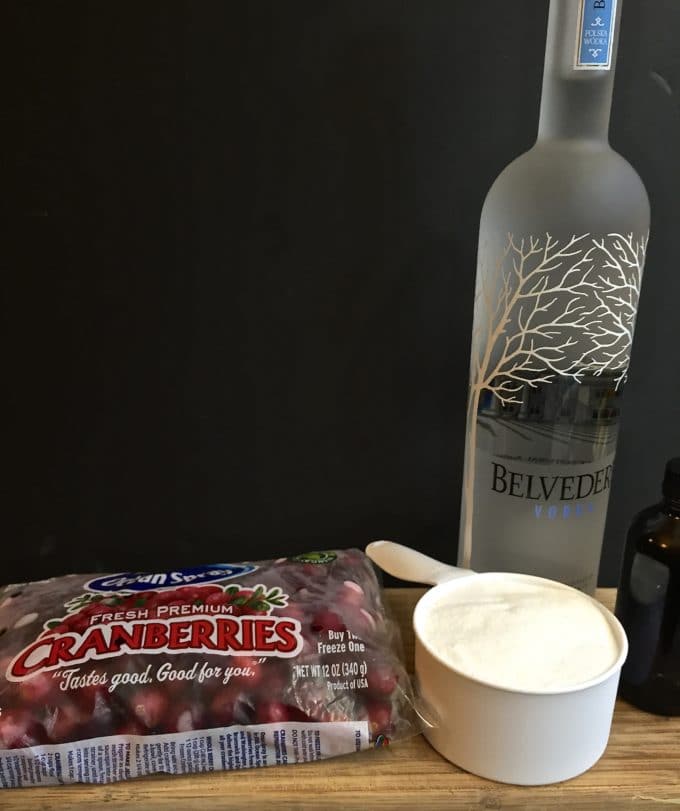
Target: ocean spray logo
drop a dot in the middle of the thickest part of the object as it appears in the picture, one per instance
(546, 489)
(143, 581)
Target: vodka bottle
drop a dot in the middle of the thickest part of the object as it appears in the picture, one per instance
(562, 244)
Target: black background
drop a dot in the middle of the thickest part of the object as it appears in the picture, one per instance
(239, 257)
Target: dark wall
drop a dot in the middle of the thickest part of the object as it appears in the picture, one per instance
(239, 259)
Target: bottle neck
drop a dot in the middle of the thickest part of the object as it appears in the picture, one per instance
(578, 76)
(671, 506)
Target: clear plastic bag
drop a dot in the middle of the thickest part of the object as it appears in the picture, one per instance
(108, 677)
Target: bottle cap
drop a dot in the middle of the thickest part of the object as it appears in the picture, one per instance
(671, 479)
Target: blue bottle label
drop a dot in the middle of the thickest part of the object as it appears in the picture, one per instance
(597, 19)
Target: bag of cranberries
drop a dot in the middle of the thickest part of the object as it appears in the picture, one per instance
(228, 666)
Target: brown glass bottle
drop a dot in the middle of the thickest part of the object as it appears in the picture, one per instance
(648, 603)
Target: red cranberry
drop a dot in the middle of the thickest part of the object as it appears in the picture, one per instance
(217, 598)
(359, 621)
(188, 593)
(327, 621)
(294, 612)
(226, 707)
(379, 717)
(313, 571)
(183, 717)
(63, 722)
(351, 593)
(253, 671)
(381, 678)
(164, 597)
(36, 689)
(241, 596)
(205, 591)
(19, 729)
(149, 705)
(272, 712)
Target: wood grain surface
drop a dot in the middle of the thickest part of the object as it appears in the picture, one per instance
(639, 770)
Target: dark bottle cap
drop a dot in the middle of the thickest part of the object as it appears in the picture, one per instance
(671, 480)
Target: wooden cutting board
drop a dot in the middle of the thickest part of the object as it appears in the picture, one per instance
(639, 770)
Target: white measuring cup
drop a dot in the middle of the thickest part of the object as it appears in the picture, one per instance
(512, 736)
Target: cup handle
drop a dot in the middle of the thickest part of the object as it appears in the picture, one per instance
(408, 564)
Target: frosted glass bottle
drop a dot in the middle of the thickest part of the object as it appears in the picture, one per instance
(562, 244)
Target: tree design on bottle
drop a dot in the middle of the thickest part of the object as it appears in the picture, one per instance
(558, 310)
